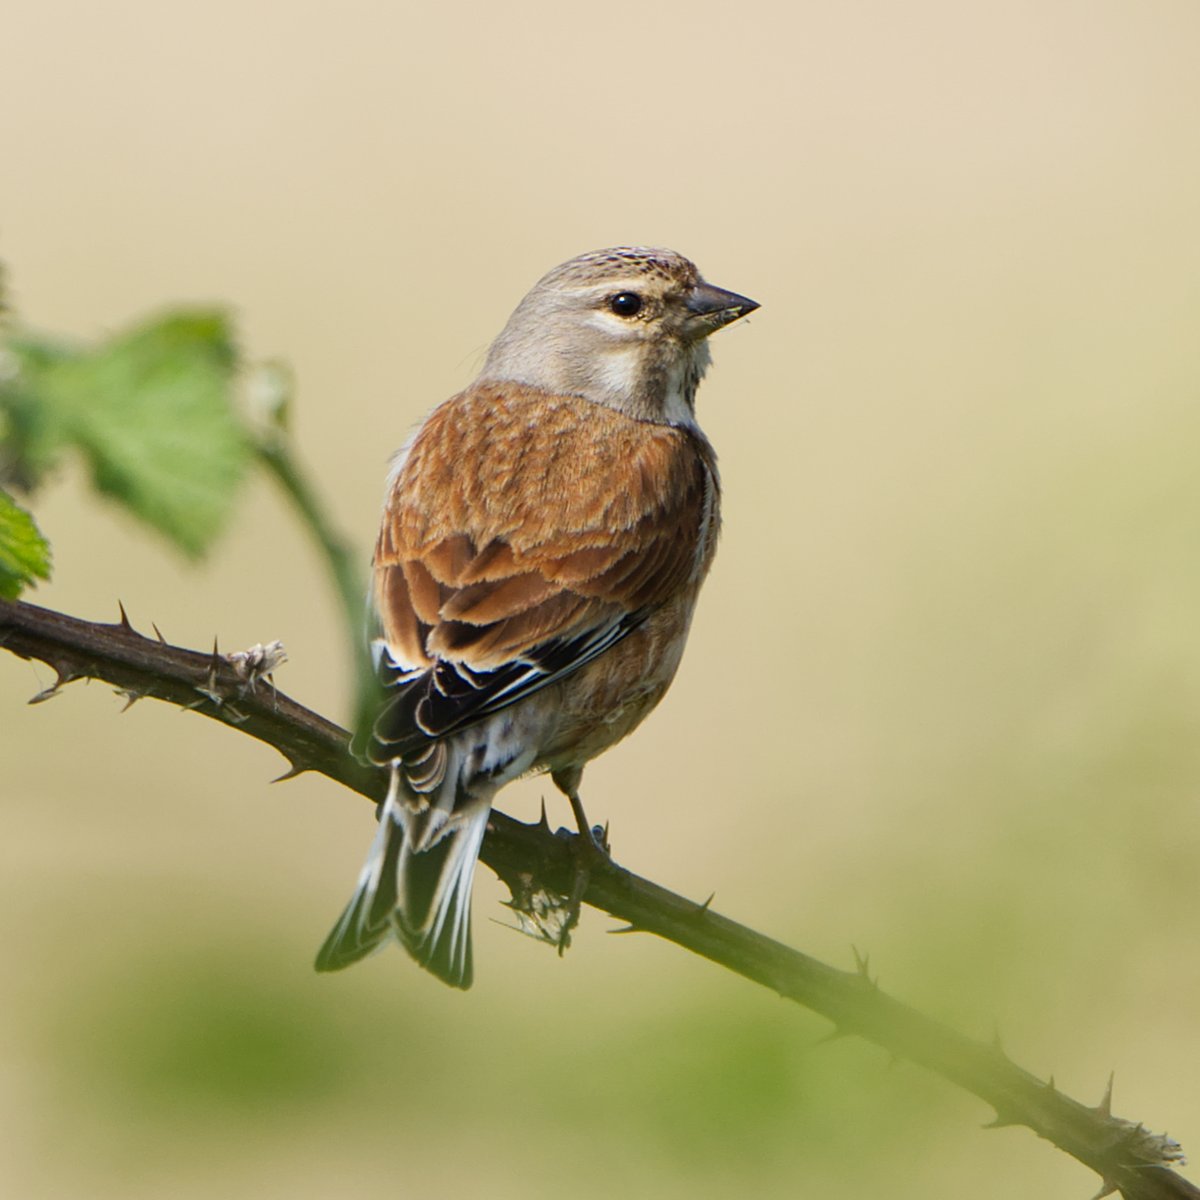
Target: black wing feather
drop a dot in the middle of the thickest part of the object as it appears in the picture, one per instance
(429, 704)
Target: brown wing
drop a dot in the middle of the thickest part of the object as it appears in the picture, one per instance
(525, 533)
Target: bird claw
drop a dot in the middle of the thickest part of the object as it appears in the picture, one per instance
(589, 851)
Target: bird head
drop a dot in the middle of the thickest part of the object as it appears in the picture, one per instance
(626, 327)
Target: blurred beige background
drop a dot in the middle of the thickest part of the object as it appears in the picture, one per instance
(942, 700)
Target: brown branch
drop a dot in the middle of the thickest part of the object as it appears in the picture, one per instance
(532, 859)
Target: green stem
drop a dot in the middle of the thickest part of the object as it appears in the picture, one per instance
(342, 561)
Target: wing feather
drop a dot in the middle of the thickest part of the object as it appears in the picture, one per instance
(572, 524)
(486, 603)
(405, 633)
(495, 561)
(424, 592)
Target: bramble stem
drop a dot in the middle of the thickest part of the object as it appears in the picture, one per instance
(1128, 1158)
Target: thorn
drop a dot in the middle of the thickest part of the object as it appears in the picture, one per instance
(1001, 1121)
(208, 689)
(158, 633)
(543, 822)
(605, 845)
(627, 929)
(131, 697)
(291, 773)
(1104, 1108)
(1134, 1133)
(62, 676)
(1170, 1151)
(862, 964)
(523, 928)
(125, 618)
(1107, 1188)
(834, 1035)
(701, 909)
(1050, 1085)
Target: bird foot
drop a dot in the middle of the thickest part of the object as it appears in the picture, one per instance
(589, 851)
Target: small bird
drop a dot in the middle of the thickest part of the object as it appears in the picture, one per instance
(544, 538)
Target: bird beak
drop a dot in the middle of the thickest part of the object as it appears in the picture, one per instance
(710, 308)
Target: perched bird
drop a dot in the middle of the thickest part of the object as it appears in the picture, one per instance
(543, 542)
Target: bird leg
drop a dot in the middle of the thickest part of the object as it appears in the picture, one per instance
(589, 848)
(567, 782)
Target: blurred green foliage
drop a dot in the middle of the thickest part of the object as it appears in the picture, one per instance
(180, 1049)
(156, 415)
(151, 411)
(217, 1036)
(24, 553)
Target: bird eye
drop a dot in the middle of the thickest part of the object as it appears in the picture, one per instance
(626, 304)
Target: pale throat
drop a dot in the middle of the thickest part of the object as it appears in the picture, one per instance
(657, 391)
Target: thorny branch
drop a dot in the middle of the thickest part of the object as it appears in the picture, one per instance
(532, 860)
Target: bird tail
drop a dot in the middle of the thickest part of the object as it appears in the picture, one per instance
(416, 883)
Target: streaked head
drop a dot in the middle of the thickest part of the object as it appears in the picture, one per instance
(624, 327)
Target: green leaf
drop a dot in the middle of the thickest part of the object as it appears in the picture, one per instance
(24, 553)
(153, 413)
(32, 436)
